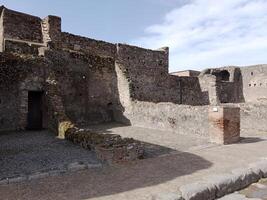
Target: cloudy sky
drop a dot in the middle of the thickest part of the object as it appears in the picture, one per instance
(200, 33)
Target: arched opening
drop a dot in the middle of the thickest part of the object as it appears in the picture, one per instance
(223, 75)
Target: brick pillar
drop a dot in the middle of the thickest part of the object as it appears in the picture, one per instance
(224, 124)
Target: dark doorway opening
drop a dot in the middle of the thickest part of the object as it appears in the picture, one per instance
(35, 114)
(223, 75)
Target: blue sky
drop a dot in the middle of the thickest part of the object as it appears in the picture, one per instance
(200, 33)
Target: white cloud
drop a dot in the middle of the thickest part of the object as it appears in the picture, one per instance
(208, 33)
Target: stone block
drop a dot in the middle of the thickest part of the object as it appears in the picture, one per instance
(198, 191)
(38, 175)
(224, 183)
(167, 196)
(77, 166)
(224, 124)
(245, 177)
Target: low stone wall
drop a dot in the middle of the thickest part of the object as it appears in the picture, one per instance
(108, 147)
(181, 119)
(253, 118)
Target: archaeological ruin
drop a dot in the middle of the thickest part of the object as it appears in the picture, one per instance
(55, 80)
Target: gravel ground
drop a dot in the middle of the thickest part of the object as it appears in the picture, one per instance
(180, 160)
(23, 153)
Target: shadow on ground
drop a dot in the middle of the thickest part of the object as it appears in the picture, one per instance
(247, 140)
(162, 164)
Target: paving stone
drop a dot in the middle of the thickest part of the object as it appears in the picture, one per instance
(38, 175)
(97, 165)
(3, 181)
(198, 191)
(76, 166)
(17, 179)
(56, 172)
(236, 196)
(167, 196)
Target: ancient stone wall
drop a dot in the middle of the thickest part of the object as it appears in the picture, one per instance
(191, 92)
(88, 86)
(254, 83)
(21, 26)
(181, 119)
(18, 76)
(253, 117)
(83, 44)
(147, 74)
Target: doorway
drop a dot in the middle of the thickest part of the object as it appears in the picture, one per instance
(35, 114)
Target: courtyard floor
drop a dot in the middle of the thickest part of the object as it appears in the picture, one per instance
(172, 160)
(25, 153)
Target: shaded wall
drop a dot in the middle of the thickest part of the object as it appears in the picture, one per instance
(88, 86)
(147, 74)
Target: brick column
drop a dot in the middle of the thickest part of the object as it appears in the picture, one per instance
(224, 124)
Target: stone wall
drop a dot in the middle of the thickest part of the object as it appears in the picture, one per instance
(85, 84)
(168, 116)
(9, 108)
(253, 118)
(254, 83)
(88, 86)
(83, 44)
(191, 91)
(21, 26)
(18, 76)
(147, 74)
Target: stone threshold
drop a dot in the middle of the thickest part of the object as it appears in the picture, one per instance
(217, 186)
(72, 167)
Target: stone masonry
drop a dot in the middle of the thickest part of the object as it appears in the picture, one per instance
(85, 81)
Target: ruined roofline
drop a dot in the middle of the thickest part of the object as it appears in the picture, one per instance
(162, 49)
(235, 66)
(187, 70)
(21, 13)
(62, 33)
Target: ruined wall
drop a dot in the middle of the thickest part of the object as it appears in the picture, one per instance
(147, 74)
(88, 86)
(18, 76)
(191, 92)
(21, 26)
(83, 44)
(168, 116)
(253, 118)
(8, 108)
(254, 83)
(224, 85)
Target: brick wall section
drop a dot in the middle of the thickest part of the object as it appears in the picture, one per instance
(224, 124)
(22, 26)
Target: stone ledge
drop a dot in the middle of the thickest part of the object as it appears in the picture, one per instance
(217, 186)
(110, 148)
